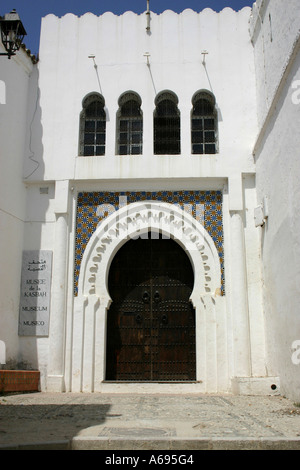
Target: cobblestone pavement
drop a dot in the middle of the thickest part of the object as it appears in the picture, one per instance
(114, 421)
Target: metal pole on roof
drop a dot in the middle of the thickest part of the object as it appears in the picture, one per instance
(148, 16)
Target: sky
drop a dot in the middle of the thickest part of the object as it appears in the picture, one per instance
(32, 11)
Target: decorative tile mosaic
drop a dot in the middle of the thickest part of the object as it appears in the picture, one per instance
(94, 207)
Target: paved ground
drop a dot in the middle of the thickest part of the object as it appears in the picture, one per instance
(147, 422)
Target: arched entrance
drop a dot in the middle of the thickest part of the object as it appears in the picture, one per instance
(93, 303)
(151, 321)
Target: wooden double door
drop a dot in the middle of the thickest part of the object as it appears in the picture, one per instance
(151, 322)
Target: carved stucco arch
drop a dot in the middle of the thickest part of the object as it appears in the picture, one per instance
(136, 219)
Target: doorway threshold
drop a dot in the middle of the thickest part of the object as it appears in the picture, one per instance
(162, 387)
(152, 381)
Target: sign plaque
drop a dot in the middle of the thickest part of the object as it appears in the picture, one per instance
(35, 293)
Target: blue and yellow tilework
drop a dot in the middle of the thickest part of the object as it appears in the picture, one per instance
(93, 207)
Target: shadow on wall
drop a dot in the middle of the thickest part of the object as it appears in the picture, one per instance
(33, 164)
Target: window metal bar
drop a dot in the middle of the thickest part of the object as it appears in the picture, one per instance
(203, 127)
(166, 128)
(93, 128)
(130, 132)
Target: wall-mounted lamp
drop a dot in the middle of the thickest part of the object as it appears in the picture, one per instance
(12, 33)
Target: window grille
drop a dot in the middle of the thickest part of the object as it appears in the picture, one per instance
(204, 124)
(130, 125)
(166, 125)
(93, 126)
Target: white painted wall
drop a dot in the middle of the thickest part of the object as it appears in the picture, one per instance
(49, 102)
(257, 94)
(14, 79)
(65, 75)
(274, 30)
(278, 178)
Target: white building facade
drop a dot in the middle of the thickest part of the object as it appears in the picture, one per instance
(145, 141)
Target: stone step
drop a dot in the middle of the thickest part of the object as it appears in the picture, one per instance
(174, 446)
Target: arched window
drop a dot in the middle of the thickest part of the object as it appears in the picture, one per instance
(204, 123)
(166, 124)
(130, 125)
(92, 126)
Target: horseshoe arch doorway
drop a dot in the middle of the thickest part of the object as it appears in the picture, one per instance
(151, 321)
